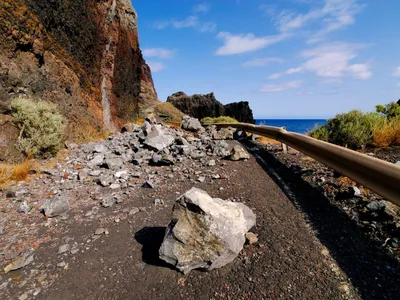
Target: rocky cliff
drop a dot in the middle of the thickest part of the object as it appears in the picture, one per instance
(197, 106)
(201, 106)
(241, 111)
(83, 55)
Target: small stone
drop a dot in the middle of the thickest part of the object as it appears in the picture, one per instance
(24, 296)
(121, 174)
(63, 249)
(215, 176)
(376, 206)
(251, 238)
(159, 202)
(115, 186)
(133, 211)
(356, 191)
(61, 264)
(211, 163)
(136, 174)
(107, 202)
(100, 231)
(56, 205)
(148, 184)
(74, 251)
(24, 208)
(201, 179)
(19, 263)
(238, 153)
(117, 220)
(95, 173)
(96, 161)
(100, 148)
(21, 193)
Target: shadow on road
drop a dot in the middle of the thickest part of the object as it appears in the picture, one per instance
(374, 272)
(151, 239)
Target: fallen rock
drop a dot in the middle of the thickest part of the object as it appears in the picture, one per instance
(204, 232)
(63, 248)
(251, 238)
(157, 140)
(220, 148)
(24, 208)
(191, 124)
(148, 184)
(133, 211)
(376, 206)
(238, 153)
(56, 205)
(19, 263)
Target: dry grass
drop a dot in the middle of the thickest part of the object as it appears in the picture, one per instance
(10, 173)
(266, 140)
(166, 109)
(388, 134)
(88, 133)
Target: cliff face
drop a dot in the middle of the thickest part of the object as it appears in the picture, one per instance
(241, 111)
(198, 106)
(201, 106)
(83, 55)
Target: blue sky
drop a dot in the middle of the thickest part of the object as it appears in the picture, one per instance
(288, 58)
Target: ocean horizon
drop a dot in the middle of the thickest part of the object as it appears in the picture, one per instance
(295, 125)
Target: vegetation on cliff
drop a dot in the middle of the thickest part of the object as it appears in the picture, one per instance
(221, 119)
(356, 129)
(41, 126)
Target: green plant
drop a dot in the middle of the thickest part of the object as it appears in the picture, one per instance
(221, 119)
(390, 110)
(41, 126)
(320, 133)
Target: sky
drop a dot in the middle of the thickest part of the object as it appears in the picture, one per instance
(288, 58)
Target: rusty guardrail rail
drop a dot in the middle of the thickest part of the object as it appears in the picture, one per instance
(380, 176)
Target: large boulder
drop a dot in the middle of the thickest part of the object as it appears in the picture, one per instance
(240, 111)
(157, 140)
(191, 124)
(204, 232)
(56, 205)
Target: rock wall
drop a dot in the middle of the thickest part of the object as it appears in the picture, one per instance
(241, 111)
(201, 106)
(83, 55)
(197, 106)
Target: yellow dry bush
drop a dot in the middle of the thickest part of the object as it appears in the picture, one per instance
(387, 134)
(14, 172)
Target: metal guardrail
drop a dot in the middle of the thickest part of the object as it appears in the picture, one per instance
(379, 176)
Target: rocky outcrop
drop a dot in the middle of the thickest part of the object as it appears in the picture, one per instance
(204, 232)
(83, 55)
(197, 106)
(240, 111)
(201, 106)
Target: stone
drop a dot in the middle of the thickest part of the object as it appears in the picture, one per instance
(95, 173)
(375, 206)
(398, 163)
(162, 160)
(251, 238)
(105, 180)
(238, 153)
(220, 148)
(130, 128)
(96, 161)
(157, 140)
(122, 174)
(61, 264)
(24, 208)
(56, 205)
(19, 263)
(100, 231)
(204, 232)
(115, 186)
(114, 163)
(201, 179)
(191, 124)
(158, 202)
(148, 184)
(211, 163)
(108, 201)
(64, 248)
(100, 148)
(133, 211)
(356, 191)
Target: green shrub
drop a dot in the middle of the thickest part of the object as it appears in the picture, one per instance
(41, 126)
(353, 129)
(391, 110)
(221, 119)
(320, 133)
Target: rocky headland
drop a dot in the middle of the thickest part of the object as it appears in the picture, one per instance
(201, 106)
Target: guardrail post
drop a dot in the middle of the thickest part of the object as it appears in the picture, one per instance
(285, 147)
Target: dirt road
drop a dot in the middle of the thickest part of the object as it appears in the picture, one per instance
(305, 250)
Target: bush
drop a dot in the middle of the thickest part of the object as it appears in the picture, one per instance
(353, 129)
(221, 119)
(41, 126)
(391, 110)
(320, 133)
(388, 133)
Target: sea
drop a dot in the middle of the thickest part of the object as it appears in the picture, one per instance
(295, 125)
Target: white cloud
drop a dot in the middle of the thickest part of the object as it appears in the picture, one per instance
(329, 16)
(331, 60)
(259, 62)
(271, 88)
(201, 8)
(207, 27)
(242, 43)
(158, 52)
(156, 66)
(396, 72)
(189, 22)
